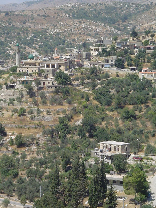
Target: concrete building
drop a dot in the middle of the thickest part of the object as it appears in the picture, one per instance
(114, 179)
(148, 75)
(108, 149)
(96, 49)
(30, 66)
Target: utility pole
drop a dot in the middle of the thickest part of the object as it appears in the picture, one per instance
(123, 201)
(40, 191)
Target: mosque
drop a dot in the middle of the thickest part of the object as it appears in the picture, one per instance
(37, 67)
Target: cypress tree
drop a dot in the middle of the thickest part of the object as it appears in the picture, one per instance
(112, 198)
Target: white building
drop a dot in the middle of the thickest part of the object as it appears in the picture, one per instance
(109, 148)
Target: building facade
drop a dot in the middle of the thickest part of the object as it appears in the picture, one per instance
(108, 149)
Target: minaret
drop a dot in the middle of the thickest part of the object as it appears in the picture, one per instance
(17, 55)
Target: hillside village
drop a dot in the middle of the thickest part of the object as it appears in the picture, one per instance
(77, 122)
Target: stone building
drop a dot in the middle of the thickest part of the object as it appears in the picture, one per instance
(108, 149)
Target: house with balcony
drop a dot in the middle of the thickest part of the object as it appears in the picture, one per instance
(148, 75)
(108, 149)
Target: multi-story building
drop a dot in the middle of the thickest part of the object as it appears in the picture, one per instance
(110, 148)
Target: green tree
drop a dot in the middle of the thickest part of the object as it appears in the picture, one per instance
(13, 69)
(93, 71)
(19, 141)
(111, 201)
(98, 187)
(119, 63)
(136, 183)
(150, 150)
(147, 32)
(147, 206)
(65, 160)
(134, 34)
(62, 78)
(7, 165)
(93, 193)
(23, 200)
(76, 185)
(81, 132)
(30, 90)
(37, 82)
(63, 128)
(43, 95)
(9, 186)
(128, 114)
(146, 42)
(6, 202)
(120, 162)
(89, 124)
(152, 35)
(115, 38)
(21, 111)
(153, 64)
(2, 130)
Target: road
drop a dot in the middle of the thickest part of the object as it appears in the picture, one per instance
(18, 204)
(152, 180)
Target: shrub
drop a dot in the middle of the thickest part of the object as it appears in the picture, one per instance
(21, 111)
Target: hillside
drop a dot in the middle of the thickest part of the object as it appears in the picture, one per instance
(43, 137)
(33, 5)
(79, 22)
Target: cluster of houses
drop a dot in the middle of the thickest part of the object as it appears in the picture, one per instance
(45, 68)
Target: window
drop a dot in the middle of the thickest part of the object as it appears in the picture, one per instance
(32, 70)
(114, 181)
(115, 148)
(121, 182)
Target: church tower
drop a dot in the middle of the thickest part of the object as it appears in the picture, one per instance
(17, 55)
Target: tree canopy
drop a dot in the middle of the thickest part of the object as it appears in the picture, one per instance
(62, 78)
(136, 183)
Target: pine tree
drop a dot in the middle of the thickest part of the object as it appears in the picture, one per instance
(112, 198)
(102, 182)
(98, 187)
(93, 193)
(76, 186)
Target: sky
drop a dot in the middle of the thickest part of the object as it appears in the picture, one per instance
(11, 1)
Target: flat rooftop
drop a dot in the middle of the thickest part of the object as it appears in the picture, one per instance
(113, 143)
